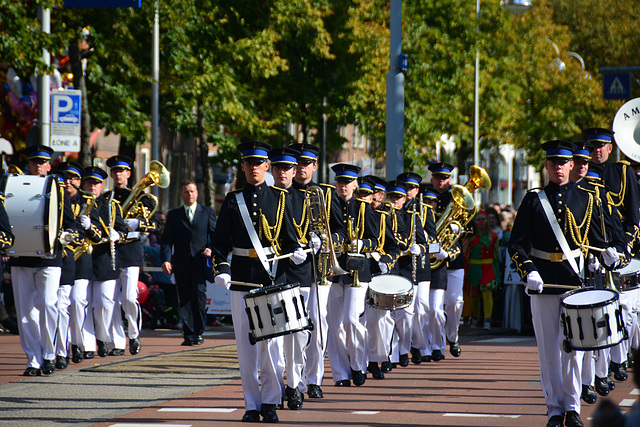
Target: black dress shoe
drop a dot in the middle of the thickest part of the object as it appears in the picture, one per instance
(404, 360)
(358, 378)
(437, 356)
(199, 340)
(294, 398)
(134, 345)
(602, 386)
(376, 373)
(314, 391)
(61, 362)
(103, 350)
(416, 357)
(251, 417)
(454, 349)
(116, 352)
(31, 372)
(48, 367)
(188, 342)
(589, 394)
(76, 355)
(572, 419)
(343, 383)
(619, 371)
(89, 355)
(268, 413)
(612, 385)
(385, 367)
(555, 421)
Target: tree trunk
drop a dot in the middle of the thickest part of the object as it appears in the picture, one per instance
(203, 151)
(84, 156)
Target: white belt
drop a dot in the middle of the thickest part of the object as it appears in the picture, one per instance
(251, 253)
(553, 256)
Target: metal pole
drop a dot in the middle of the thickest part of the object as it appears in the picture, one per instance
(155, 73)
(476, 100)
(322, 172)
(44, 89)
(395, 97)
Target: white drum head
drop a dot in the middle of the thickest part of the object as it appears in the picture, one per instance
(633, 267)
(592, 297)
(390, 284)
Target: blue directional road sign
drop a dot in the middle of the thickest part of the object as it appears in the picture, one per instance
(616, 85)
(103, 3)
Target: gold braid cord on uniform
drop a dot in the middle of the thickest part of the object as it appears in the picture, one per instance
(358, 232)
(302, 227)
(579, 238)
(271, 233)
(382, 231)
(5, 241)
(620, 195)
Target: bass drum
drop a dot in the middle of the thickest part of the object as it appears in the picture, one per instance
(34, 207)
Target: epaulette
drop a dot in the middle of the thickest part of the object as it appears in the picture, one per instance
(235, 191)
(596, 182)
(363, 201)
(327, 185)
(588, 190)
(278, 188)
(624, 162)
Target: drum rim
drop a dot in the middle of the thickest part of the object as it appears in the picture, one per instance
(597, 347)
(271, 289)
(279, 334)
(613, 298)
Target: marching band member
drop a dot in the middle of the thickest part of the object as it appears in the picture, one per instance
(453, 299)
(318, 296)
(35, 284)
(130, 258)
(269, 210)
(104, 227)
(379, 321)
(346, 337)
(536, 252)
(623, 194)
(83, 337)
(283, 168)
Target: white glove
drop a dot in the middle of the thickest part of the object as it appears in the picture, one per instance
(298, 256)
(610, 257)
(223, 280)
(85, 221)
(442, 255)
(132, 224)
(414, 249)
(114, 236)
(315, 243)
(594, 265)
(534, 282)
(65, 238)
(383, 267)
(454, 228)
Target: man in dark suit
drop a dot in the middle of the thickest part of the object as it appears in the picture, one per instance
(188, 231)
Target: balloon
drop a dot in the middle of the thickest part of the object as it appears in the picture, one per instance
(143, 292)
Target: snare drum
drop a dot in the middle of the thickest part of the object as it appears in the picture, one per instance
(627, 278)
(276, 310)
(34, 206)
(389, 292)
(591, 319)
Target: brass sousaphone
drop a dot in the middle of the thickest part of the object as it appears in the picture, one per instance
(626, 129)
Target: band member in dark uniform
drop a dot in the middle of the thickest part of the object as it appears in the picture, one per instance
(269, 210)
(536, 253)
(185, 244)
(104, 227)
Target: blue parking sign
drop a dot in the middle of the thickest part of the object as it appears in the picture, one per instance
(65, 120)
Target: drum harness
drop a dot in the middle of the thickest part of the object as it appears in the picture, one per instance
(255, 241)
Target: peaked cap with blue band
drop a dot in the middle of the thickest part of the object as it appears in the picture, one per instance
(72, 168)
(411, 179)
(284, 156)
(39, 152)
(598, 136)
(430, 193)
(595, 171)
(95, 173)
(308, 152)
(397, 188)
(583, 150)
(120, 162)
(254, 151)
(441, 168)
(379, 184)
(345, 171)
(365, 185)
(559, 149)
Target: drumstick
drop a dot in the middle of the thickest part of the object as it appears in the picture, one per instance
(275, 258)
(253, 285)
(593, 248)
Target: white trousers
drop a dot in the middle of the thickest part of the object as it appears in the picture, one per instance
(35, 291)
(264, 387)
(317, 308)
(62, 338)
(346, 337)
(435, 325)
(295, 355)
(628, 300)
(588, 368)
(127, 300)
(421, 316)
(602, 363)
(453, 303)
(379, 333)
(559, 370)
(82, 328)
(104, 301)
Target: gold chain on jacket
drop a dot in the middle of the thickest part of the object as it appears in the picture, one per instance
(574, 228)
(269, 232)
